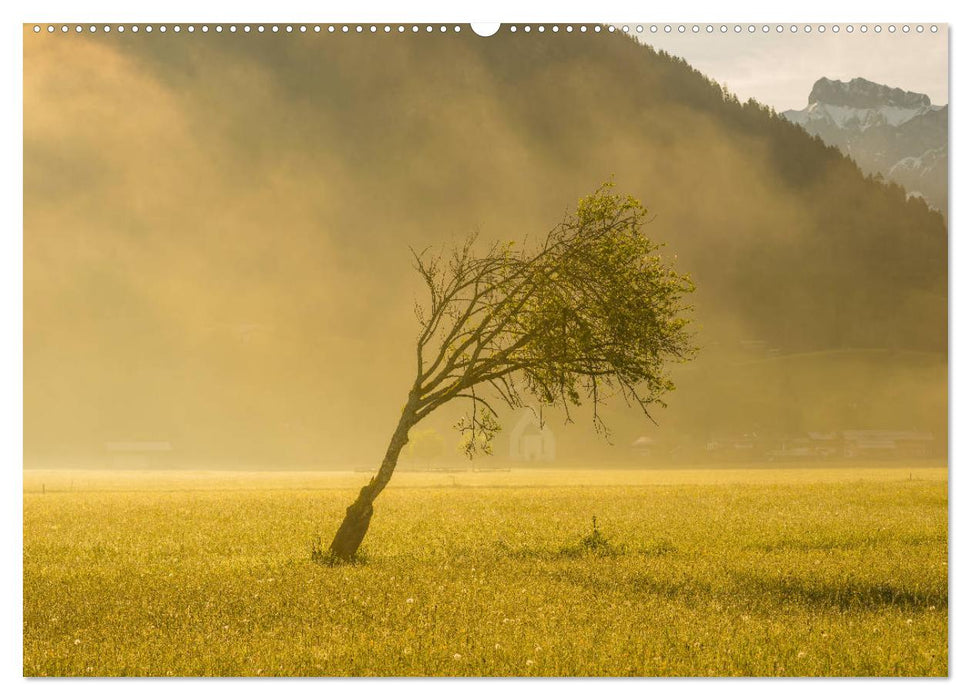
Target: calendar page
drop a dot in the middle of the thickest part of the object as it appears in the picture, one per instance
(451, 350)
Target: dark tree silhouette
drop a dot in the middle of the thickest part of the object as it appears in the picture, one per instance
(588, 312)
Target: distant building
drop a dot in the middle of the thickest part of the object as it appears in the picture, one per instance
(139, 455)
(807, 446)
(531, 440)
(735, 446)
(887, 443)
(644, 446)
(826, 444)
(792, 449)
(855, 444)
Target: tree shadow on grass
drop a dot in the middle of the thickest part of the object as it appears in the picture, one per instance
(846, 542)
(844, 596)
(762, 592)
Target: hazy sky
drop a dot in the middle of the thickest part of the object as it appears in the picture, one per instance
(780, 69)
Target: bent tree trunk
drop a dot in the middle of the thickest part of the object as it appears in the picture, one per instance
(358, 516)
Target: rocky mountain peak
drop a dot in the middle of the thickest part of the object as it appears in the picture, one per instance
(860, 93)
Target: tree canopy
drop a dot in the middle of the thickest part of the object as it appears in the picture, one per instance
(589, 311)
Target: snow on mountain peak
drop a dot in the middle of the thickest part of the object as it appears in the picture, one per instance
(885, 130)
(860, 93)
(859, 104)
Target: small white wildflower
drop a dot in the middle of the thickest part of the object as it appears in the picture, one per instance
(910, 621)
(800, 654)
(529, 662)
(410, 600)
(456, 656)
(76, 642)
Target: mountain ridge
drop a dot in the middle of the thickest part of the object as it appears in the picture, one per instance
(897, 134)
(863, 93)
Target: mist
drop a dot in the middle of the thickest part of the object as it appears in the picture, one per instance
(217, 234)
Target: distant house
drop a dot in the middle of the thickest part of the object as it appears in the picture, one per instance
(735, 446)
(807, 446)
(826, 444)
(855, 444)
(644, 446)
(139, 455)
(792, 449)
(877, 444)
(531, 440)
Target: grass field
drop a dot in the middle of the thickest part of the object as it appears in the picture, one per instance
(800, 571)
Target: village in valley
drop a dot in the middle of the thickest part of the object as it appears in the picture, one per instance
(534, 442)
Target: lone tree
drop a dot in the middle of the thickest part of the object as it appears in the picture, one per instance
(587, 312)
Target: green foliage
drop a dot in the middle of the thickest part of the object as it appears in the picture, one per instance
(585, 313)
(609, 311)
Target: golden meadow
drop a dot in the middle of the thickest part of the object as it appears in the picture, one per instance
(698, 572)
